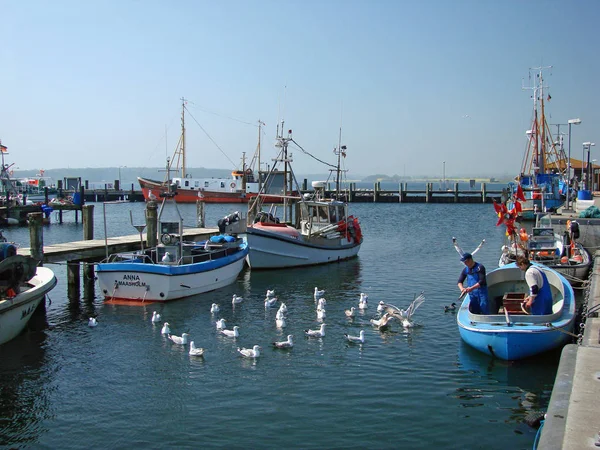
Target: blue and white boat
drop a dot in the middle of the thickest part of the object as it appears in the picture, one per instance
(173, 269)
(510, 333)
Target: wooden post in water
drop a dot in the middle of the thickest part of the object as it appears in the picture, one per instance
(87, 218)
(456, 192)
(36, 237)
(200, 214)
(73, 280)
(375, 192)
(305, 185)
(428, 188)
(351, 188)
(46, 195)
(483, 192)
(151, 224)
(400, 192)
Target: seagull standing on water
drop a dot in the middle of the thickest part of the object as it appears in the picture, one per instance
(360, 339)
(383, 322)
(321, 313)
(232, 333)
(405, 317)
(283, 308)
(165, 329)
(156, 317)
(318, 293)
(350, 312)
(284, 344)
(322, 303)
(270, 293)
(362, 302)
(253, 352)
(196, 351)
(214, 308)
(316, 333)
(92, 322)
(381, 306)
(220, 324)
(236, 299)
(180, 340)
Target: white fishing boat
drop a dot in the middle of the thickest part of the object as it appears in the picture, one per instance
(175, 268)
(23, 286)
(313, 229)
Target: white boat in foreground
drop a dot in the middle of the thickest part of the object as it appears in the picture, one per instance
(510, 333)
(174, 269)
(314, 229)
(22, 287)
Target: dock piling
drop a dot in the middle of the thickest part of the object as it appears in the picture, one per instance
(151, 224)
(200, 213)
(36, 236)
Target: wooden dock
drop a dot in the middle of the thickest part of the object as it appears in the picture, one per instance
(97, 249)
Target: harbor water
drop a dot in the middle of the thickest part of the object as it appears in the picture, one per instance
(123, 385)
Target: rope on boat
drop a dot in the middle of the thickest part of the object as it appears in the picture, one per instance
(562, 330)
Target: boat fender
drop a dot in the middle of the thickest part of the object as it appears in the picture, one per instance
(574, 229)
(7, 250)
(534, 418)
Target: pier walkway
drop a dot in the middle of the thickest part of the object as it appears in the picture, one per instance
(573, 416)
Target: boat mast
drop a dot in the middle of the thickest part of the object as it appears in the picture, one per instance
(339, 153)
(182, 151)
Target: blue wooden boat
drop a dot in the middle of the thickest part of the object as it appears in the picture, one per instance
(510, 333)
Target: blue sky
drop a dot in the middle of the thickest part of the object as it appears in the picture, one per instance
(97, 84)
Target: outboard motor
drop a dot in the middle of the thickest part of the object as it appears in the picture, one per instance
(225, 222)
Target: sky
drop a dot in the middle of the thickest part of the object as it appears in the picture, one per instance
(427, 88)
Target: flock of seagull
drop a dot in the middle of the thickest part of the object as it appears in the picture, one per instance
(387, 313)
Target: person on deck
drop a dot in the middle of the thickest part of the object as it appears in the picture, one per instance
(474, 274)
(540, 295)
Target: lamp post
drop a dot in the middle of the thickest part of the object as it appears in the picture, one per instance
(587, 166)
(570, 122)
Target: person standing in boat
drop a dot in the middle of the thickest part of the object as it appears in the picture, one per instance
(539, 299)
(474, 274)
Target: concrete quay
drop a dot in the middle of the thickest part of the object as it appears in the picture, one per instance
(573, 416)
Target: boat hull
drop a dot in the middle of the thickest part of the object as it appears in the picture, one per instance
(511, 336)
(192, 195)
(16, 312)
(137, 281)
(275, 250)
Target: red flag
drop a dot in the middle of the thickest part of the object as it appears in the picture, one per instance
(520, 194)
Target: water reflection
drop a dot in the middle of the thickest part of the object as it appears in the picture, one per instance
(24, 404)
(527, 382)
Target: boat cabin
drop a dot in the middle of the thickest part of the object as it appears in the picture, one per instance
(319, 215)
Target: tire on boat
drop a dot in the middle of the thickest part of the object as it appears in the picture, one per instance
(534, 418)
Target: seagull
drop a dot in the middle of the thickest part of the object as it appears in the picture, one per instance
(151, 196)
(92, 322)
(220, 324)
(381, 306)
(279, 315)
(196, 351)
(284, 344)
(405, 317)
(283, 308)
(452, 307)
(363, 303)
(318, 293)
(316, 333)
(350, 312)
(280, 322)
(270, 293)
(322, 303)
(253, 352)
(214, 308)
(232, 333)
(270, 302)
(321, 313)
(179, 340)
(236, 299)
(165, 329)
(167, 258)
(360, 339)
(156, 317)
(383, 322)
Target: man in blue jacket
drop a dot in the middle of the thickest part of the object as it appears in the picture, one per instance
(474, 274)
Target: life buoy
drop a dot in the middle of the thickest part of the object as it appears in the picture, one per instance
(232, 185)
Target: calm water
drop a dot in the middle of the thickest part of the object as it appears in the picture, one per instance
(122, 385)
